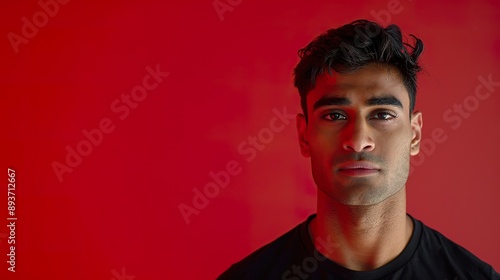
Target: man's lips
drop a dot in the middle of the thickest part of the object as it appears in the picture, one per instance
(358, 168)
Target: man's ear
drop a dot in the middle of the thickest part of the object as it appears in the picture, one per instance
(416, 127)
(302, 131)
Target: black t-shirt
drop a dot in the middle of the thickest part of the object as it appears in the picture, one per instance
(428, 255)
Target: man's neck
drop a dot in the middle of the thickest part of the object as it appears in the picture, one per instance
(364, 237)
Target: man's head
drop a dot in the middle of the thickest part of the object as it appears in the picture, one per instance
(353, 46)
(357, 85)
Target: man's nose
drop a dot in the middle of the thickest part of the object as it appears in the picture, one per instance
(357, 136)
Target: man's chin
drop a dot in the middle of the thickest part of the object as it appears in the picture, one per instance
(366, 195)
(361, 193)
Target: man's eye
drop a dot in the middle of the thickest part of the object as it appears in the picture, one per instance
(383, 116)
(334, 117)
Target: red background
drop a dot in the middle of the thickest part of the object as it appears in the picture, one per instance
(118, 208)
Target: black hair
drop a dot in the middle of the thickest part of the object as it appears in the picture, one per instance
(353, 46)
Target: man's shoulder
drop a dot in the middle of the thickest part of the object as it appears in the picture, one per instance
(436, 243)
(272, 259)
(444, 252)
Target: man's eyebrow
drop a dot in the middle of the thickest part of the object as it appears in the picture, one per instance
(342, 101)
(384, 100)
(330, 100)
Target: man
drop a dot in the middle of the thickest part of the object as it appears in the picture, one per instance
(357, 86)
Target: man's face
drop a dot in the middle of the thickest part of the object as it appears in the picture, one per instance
(359, 134)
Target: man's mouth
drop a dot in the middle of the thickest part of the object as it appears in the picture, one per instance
(358, 168)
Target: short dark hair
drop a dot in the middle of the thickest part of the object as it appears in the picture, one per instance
(353, 46)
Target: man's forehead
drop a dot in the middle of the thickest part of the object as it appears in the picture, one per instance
(363, 84)
(368, 77)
